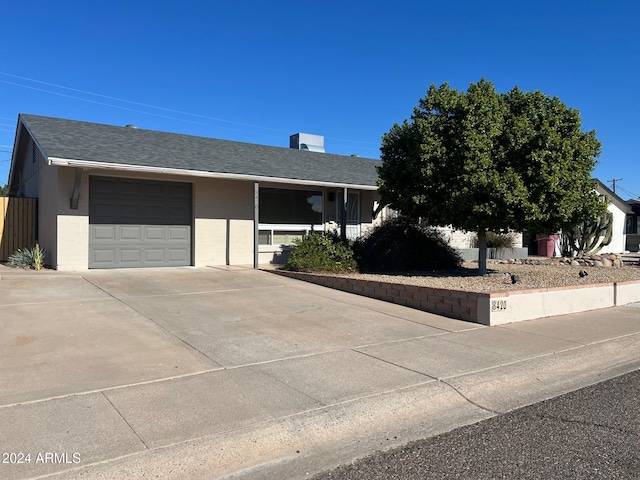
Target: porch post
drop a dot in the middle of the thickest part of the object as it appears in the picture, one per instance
(343, 220)
(256, 223)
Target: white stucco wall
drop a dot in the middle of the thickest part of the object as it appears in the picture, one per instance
(618, 239)
(530, 304)
(72, 225)
(223, 222)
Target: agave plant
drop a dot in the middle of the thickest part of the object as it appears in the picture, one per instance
(32, 257)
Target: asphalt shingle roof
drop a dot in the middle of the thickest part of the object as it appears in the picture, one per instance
(75, 140)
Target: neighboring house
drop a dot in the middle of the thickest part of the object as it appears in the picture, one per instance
(633, 235)
(113, 196)
(619, 209)
(464, 240)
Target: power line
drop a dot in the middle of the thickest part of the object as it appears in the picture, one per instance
(102, 103)
(631, 194)
(146, 105)
(140, 104)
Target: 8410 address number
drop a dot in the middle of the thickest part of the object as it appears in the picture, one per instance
(498, 305)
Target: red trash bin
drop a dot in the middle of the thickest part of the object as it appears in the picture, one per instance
(546, 244)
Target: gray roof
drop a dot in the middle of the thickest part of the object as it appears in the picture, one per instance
(115, 145)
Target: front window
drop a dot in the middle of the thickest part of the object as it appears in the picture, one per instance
(353, 207)
(286, 215)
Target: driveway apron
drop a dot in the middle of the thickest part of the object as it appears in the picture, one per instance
(208, 372)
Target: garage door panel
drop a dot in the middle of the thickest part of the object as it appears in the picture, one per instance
(103, 186)
(104, 210)
(157, 190)
(181, 234)
(103, 257)
(155, 214)
(128, 188)
(179, 192)
(129, 233)
(154, 255)
(155, 233)
(102, 233)
(139, 223)
(178, 255)
(129, 255)
(178, 214)
(130, 212)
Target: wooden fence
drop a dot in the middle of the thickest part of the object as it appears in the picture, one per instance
(19, 225)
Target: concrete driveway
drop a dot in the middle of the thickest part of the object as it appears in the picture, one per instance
(202, 373)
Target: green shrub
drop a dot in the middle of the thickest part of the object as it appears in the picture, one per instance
(404, 245)
(321, 252)
(495, 240)
(33, 257)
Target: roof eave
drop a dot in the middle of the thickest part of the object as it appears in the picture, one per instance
(67, 162)
(613, 197)
(20, 127)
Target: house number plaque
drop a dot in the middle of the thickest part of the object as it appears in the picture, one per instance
(498, 305)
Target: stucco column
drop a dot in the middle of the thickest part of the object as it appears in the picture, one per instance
(256, 223)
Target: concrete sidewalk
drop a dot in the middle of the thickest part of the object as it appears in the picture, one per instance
(213, 373)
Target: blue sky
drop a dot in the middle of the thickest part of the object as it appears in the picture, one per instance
(259, 71)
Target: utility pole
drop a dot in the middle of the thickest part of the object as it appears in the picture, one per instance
(614, 181)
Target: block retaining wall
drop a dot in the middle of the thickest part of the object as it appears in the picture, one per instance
(488, 308)
(450, 303)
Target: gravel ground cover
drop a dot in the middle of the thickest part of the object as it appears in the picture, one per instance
(499, 279)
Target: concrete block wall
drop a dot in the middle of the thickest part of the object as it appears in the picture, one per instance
(464, 240)
(627, 292)
(491, 308)
(449, 303)
(457, 238)
(516, 306)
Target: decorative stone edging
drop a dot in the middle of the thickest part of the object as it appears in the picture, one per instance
(605, 260)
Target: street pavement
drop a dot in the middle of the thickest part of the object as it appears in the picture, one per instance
(592, 433)
(238, 373)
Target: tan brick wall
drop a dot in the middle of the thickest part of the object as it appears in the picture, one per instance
(450, 303)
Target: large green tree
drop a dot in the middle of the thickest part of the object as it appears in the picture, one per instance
(486, 161)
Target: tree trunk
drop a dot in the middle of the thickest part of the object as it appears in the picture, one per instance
(482, 251)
